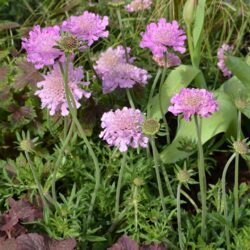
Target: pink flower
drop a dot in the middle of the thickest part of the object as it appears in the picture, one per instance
(193, 102)
(40, 46)
(221, 63)
(162, 36)
(89, 27)
(138, 5)
(116, 72)
(123, 128)
(171, 60)
(52, 92)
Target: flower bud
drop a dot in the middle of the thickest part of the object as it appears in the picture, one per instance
(26, 145)
(138, 181)
(241, 147)
(188, 11)
(183, 176)
(150, 127)
(69, 44)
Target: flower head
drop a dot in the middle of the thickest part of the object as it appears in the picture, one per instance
(138, 5)
(162, 36)
(89, 27)
(123, 128)
(193, 102)
(170, 61)
(52, 92)
(221, 62)
(116, 72)
(40, 46)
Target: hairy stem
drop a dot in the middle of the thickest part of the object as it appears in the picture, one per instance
(178, 202)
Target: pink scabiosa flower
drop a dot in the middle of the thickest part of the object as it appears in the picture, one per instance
(193, 102)
(171, 60)
(116, 72)
(123, 128)
(52, 92)
(40, 46)
(162, 36)
(138, 5)
(88, 27)
(221, 63)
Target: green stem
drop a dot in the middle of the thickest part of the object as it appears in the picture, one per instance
(178, 202)
(160, 101)
(40, 190)
(59, 160)
(119, 184)
(73, 111)
(135, 202)
(190, 200)
(152, 90)
(236, 174)
(202, 178)
(224, 198)
(130, 99)
(167, 181)
(158, 177)
(190, 44)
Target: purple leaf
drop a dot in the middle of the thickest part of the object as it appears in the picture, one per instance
(125, 243)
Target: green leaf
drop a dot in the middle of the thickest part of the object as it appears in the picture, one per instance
(240, 69)
(219, 122)
(178, 78)
(199, 21)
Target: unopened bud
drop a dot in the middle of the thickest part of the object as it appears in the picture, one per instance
(183, 176)
(69, 44)
(138, 182)
(241, 147)
(26, 145)
(188, 11)
(150, 127)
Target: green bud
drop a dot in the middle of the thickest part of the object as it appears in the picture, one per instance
(188, 11)
(69, 44)
(138, 181)
(241, 147)
(183, 176)
(26, 145)
(150, 127)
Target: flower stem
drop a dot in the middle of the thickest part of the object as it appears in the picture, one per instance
(135, 203)
(39, 186)
(178, 202)
(168, 184)
(224, 198)
(119, 184)
(158, 177)
(236, 175)
(130, 99)
(202, 178)
(73, 111)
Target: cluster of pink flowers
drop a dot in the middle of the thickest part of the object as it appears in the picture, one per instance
(163, 37)
(193, 102)
(221, 62)
(123, 128)
(138, 5)
(115, 71)
(52, 92)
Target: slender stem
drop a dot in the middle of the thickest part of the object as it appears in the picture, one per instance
(236, 175)
(39, 186)
(160, 101)
(135, 202)
(59, 160)
(119, 184)
(158, 177)
(152, 90)
(168, 184)
(190, 44)
(178, 202)
(224, 198)
(190, 200)
(73, 111)
(202, 178)
(130, 99)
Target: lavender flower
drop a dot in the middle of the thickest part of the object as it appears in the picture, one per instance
(116, 72)
(123, 128)
(89, 27)
(40, 46)
(52, 92)
(193, 102)
(221, 63)
(170, 61)
(138, 5)
(162, 36)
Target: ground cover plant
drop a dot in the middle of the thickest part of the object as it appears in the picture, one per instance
(124, 124)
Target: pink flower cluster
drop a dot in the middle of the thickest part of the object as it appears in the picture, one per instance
(138, 5)
(89, 27)
(221, 62)
(193, 102)
(162, 36)
(123, 128)
(115, 71)
(52, 92)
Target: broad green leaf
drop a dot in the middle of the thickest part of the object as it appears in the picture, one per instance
(240, 69)
(236, 89)
(219, 122)
(199, 21)
(178, 78)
